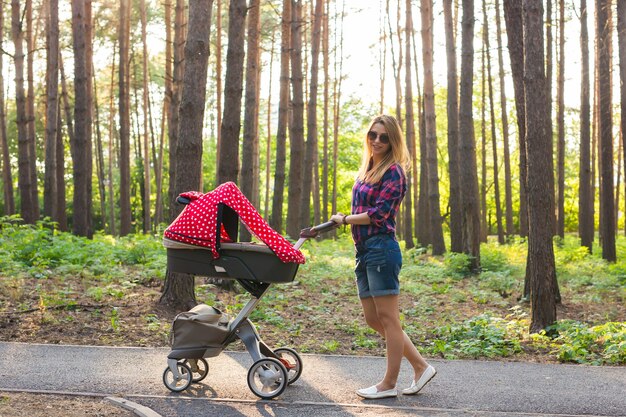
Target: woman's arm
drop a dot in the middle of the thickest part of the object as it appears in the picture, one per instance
(361, 218)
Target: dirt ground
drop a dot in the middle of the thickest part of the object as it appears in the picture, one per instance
(42, 405)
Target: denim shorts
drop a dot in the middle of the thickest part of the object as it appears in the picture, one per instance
(378, 263)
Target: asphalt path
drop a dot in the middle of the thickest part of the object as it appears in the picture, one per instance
(326, 388)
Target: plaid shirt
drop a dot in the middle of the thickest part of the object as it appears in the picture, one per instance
(380, 201)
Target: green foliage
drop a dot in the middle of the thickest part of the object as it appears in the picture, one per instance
(481, 336)
(596, 345)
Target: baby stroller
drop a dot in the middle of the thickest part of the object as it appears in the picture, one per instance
(200, 242)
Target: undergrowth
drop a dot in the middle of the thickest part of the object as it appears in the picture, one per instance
(447, 311)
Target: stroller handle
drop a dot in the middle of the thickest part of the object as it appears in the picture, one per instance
(311, 232)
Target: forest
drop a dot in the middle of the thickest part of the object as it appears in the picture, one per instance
(110, 109)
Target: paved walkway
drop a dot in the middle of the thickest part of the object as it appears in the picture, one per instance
(326, 387)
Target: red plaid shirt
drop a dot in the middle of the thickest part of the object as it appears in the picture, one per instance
(380, 201)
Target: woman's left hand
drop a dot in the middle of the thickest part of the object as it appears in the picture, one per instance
(337, 218)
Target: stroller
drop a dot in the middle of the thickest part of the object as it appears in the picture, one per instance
(200, 242)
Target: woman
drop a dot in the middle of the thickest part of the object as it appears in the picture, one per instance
(379, 188)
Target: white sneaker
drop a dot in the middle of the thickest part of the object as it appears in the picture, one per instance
(372, 393)
(416, 386)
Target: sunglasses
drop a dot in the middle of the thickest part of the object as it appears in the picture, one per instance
(383, 137)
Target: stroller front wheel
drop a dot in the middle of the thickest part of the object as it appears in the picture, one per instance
(180, 382)
(292, 362)
(267, 378)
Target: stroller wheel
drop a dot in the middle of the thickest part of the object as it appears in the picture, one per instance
(199, 368)
(180, 383)
(267, 378)
(292, 362)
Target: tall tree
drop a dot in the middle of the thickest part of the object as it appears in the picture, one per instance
(81, 146)
(124, 117)
(585, 197)
(456, 231)
(310, 150)
(24, 158)
(467, 143)
(541, 266)
(52, 108)
(147, 221)
(276, 221)
(326, 108)
(180, 36)
(233, 85)
(508, 194)
(560, 94)
(250, 149)
(30, 105)
(621, 39)
(218, 78)
(410, 129)
(296, 127)
(607, 224)
(514, 30)
(496, 178)
(178, 289)
(7, 177)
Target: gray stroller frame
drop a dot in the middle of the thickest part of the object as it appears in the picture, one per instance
(256, 268)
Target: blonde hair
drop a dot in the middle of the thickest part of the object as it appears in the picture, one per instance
(398, 152)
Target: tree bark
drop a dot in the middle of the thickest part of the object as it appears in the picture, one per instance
(24, 157)
(296, 128)
(52, 108)
(250, 149)
(560, 204)
(124, 118)
(178, 289)
(607, 225)
(456, 230)
(621, 39)
(541, 266)
(508, 194)
(30, 106)
(147, 220)
(585, 197)
(410, 130)
(7, 176)
(276, 221)
(310, 149)
(467, 144)
(233, 86)
(513, 20)
(496, 179)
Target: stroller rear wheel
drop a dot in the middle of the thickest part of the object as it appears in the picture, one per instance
(267, 378)
(177, 383)
(199, 368)
(292, 362)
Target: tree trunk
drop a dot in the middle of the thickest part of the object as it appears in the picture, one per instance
(484, 227)
(268, 147)
(100, 171)
(178, 289)
(60, 175)
(337, 103)
(310, 146)
(180, 35)
(326, 122)
(508, 199)
(496, 180)
(467, 144)
(409, 131)
(296, 128)
(549, 59)
(560, 204)
(7, 178)
(30, 106)
(621, 39)
(541, 266)
(24, 157)
(124, 116)
(231, 122)
(250, 149)
(456, 231)
(81, 146)
(276, 221)
(603, 10)
(218, 79)
(585, 197)
(52, 106)
(423, 229)
(147, 223)
(513, 20)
